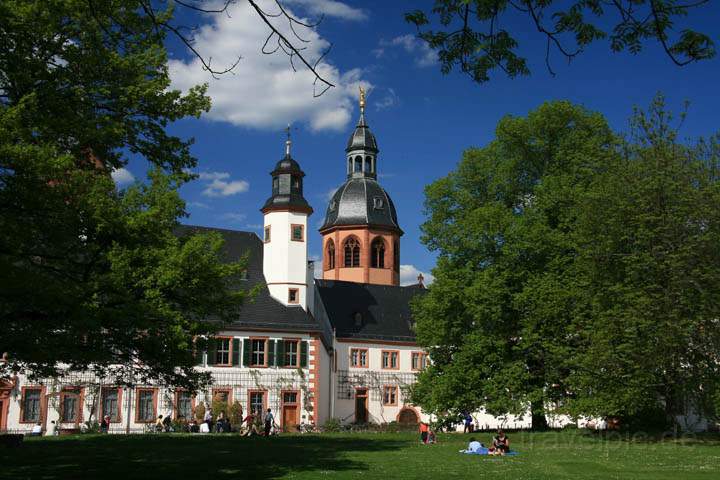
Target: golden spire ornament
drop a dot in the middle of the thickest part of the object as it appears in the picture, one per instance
(362, 99)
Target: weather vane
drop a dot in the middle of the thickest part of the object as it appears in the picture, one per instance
(288, 142)
(362, 99)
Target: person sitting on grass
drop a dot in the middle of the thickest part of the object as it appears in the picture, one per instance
(431, 437)
(500, 444)
(193, 427)
(159, 424)
(105, 424)
(36, 430)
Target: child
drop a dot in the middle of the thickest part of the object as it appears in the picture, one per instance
(424, 432)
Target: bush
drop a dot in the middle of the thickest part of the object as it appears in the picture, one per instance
(200, 413)
(333, 425)
(236, 413)
(91, 426)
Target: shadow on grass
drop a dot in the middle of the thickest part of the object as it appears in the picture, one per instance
(185, 456)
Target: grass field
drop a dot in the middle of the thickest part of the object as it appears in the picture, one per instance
(553, 455)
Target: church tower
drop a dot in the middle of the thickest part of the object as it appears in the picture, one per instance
(361, 234)
(285, 215)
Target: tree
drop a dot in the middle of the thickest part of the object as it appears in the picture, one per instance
(648, 252)
(496, 320)
(473, 35)
(91, 277)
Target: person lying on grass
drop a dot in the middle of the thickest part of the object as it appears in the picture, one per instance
(500, 444)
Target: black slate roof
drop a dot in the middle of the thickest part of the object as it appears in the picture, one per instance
(262, 311)
(385, 309)
(362, 138)
(361, 201)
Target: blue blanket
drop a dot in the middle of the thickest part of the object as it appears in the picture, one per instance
(485, 451)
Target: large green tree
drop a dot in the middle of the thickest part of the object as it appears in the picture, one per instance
(496, 320)
(648, 252)
(479, 37)
(91, 277)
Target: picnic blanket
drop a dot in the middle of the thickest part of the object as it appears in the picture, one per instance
(485, 451)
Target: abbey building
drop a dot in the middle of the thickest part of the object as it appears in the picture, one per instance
(311, 349)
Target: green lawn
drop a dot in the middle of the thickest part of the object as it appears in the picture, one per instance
(570, 454)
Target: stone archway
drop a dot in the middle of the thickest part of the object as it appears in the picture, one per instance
(408, 416)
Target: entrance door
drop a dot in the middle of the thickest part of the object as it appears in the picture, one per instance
(361, 413)
(289, 411)
(2, 416)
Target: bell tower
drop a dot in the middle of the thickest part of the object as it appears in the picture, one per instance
(285, 216)
(361, 234)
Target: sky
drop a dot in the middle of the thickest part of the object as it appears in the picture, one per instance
(423, 120)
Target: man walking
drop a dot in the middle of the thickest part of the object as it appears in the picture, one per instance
(268, 422)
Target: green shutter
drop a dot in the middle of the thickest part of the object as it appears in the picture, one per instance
(212, 348)
(281, 361)
(236, 351)
(271, 353)
(303, 354)
(246, 352)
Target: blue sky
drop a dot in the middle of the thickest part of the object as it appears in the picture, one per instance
(423, 120)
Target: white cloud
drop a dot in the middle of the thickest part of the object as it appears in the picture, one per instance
(327, 196)
(409, 275)
(218, 184)
(263, 91)
(389, 100)
(317, 266)
(122, 176)
(232, 217)
(330, 8)
(198, 205)
(424, 55)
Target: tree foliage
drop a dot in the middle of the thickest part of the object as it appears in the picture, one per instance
(577, 271)
(472, 35)
(91, 277)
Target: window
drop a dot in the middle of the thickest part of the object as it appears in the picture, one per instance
(378, 253)
(419, 360)
(267, 234)
(359, 357)
(330, 259)
(396, 256)
(293, 295)
(297, 233)
(389, 395)
(257, 352)
(291, 353)
(111, 403)
(358, 318)
(352, 252)
(390, 359)
(367, 165)
(297, 184)
(276, 184)
(184, 406)
(378, 203)
(256, 402)
(289, 397)
(70, 405)
(31, 400)
(145, 410)
(222, 352)
(358, 164)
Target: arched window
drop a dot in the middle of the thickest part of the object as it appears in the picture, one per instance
(378, 253)
(350, 166)
(368, 165)
(396, 256)
(330, 262)
(358, 164)
(352, 252)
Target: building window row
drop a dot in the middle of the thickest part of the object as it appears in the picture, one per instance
(352, 250)
(255, 352)
(297, 233)
(389, 359)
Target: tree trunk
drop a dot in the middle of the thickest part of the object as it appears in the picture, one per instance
(539, 422)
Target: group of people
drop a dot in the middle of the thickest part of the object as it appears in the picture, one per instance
(254, 423)
(427, 435)
(500, 445)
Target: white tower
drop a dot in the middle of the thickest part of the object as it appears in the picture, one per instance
(285, 252)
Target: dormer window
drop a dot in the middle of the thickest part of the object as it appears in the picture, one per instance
(378, 203)
(357, 317)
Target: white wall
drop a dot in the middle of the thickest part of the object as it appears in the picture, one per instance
(285, 260)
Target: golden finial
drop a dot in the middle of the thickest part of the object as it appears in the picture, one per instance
(362, 99)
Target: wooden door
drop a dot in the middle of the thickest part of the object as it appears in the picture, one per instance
(289, 411)
(361, 413)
